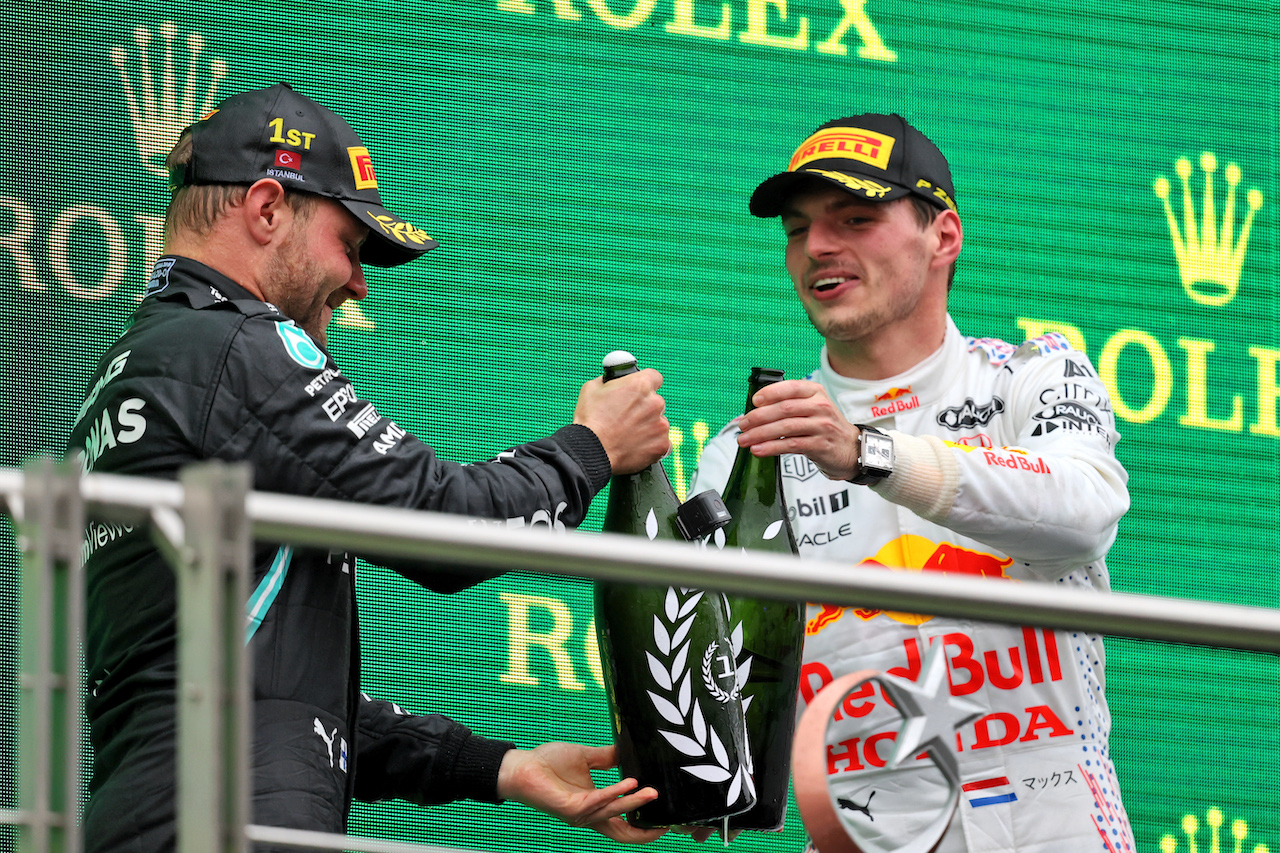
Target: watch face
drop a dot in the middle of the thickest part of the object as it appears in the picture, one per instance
(877, 451)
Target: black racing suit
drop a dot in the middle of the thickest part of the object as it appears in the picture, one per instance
(206, 371)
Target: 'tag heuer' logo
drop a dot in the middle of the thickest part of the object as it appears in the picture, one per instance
(848, 143)
(916, 553)
(798, 467)
(362, 167)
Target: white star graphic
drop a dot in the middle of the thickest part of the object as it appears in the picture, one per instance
(931, 715)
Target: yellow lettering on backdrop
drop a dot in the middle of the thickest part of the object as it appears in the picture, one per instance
(1268, 391)
(682, 22)
(1161, 378)
(872, 46)
(591, 647)
(113, 265)
(1035, 328)
(521, 637)
(565, 10)
(757, 31)
(153, 241)
(685, 22)
(1198, 391)
(639, 13)
(17, 241)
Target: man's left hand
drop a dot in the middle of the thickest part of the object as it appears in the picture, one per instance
(556, 778)
(797, 416)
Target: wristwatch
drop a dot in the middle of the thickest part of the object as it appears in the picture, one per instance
(875, 456)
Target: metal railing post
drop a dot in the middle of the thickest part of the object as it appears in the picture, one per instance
(52, 678)
(213, 672)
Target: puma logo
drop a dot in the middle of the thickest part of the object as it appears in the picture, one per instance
(854, 807)
(327, 737)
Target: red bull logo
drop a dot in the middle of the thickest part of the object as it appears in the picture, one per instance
(830, 613)
(893, 407)
(971, 666)
(916, 553)
(893, 394)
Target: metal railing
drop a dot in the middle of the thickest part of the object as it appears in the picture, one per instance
(205, 525)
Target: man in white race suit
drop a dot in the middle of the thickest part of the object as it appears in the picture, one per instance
(914, 446)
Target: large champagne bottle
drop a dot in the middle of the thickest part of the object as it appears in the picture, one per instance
(669, 673)
(769, 635)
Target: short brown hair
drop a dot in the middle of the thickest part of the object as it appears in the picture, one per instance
(925, 212)
(197, 207)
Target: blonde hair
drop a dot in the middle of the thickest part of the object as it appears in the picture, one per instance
(197, 207)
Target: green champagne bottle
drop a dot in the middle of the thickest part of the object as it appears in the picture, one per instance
(669, 671)
(767, 635)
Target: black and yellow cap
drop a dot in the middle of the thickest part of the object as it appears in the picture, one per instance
(873, 156)
(307, 147)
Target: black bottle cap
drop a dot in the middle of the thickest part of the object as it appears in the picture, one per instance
(702, 515)
(761, 376)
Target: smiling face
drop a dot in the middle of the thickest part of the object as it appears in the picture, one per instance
(317, 267)
(860, 269)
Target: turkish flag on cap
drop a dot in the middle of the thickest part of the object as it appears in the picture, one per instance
(289, 160)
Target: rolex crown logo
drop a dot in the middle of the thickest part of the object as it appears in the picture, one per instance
(1213, 841)
(1209, 255)
(158, 110)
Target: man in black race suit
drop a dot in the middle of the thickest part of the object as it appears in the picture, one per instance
(275, 208)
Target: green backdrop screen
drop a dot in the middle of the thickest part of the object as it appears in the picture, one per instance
(585, 165)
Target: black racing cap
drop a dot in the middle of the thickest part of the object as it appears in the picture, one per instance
(281, 134)
(879, 157)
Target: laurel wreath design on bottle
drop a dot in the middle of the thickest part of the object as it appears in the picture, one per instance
(744, 666)
(674, 701)
(741, 660)
(708, 678)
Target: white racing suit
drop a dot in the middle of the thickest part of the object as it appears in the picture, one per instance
(1004, 468)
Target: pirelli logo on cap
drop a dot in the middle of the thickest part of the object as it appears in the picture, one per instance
(849, 143)
(362, 167)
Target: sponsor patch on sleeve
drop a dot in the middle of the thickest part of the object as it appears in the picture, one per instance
(299, 346)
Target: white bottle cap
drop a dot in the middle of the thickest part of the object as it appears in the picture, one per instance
(617, 358)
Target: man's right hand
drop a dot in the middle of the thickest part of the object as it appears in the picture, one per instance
(626, 414)
(556, 778)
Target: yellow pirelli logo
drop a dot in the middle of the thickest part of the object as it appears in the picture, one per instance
(849, 143)
(362, 167)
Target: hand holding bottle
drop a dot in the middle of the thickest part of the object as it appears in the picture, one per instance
(626, 414)
(556, 778)
(770, 633)
(797, 416)
(677, 717)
